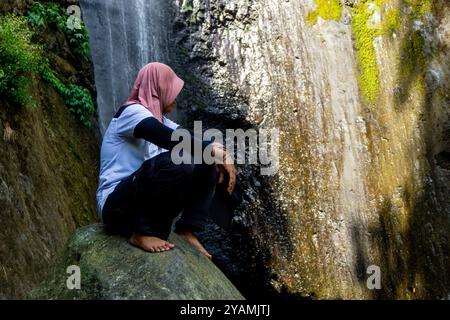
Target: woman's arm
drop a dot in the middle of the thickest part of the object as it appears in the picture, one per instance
(152, 130)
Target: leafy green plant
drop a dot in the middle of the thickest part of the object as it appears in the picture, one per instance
(19, 59)
(36, 15)
(52, 14)
(79, 40)
(77, 98)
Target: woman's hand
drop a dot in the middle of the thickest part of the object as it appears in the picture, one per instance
(225, 163)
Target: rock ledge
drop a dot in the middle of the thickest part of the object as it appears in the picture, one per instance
(111, 268)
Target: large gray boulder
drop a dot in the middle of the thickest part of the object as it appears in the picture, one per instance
(110, 268)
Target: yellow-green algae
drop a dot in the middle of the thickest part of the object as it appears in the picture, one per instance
(326, 9)
(364, 35)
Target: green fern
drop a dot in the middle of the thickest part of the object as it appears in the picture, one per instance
(77, 98)
(52, 14)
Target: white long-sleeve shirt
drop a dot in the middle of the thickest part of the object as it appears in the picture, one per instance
(121, 153)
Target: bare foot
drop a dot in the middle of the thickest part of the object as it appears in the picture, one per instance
(191, 238)
(152, 244)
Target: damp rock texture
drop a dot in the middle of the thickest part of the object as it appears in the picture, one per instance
(110, 268)
(359, 94)
(48, 167)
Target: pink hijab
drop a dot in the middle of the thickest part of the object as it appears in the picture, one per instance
(156, 86)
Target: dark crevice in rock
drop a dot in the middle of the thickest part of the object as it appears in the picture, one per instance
(443, 159)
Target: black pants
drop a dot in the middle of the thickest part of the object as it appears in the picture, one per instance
(149, 199)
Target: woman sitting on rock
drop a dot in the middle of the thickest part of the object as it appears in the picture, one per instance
(140, 189)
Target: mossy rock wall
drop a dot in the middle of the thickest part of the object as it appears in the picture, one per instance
(359, 92)
(48, 169)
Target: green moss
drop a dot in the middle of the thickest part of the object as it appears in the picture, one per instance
(391, 21)
(19, 59)
(378, 3)
(364, 36)
(419, 7)
(412, 60)
(326, 9)
(112, 269)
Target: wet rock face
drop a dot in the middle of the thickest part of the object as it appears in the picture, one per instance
(363, 119)
(48, 170)
(363, 177)
(110, 268)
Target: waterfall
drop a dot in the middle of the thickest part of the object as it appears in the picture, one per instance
(124, 36)
(360, 182)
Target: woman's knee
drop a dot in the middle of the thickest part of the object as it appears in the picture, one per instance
(189, 171)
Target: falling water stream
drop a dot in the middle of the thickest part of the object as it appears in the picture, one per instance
(124, 36)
